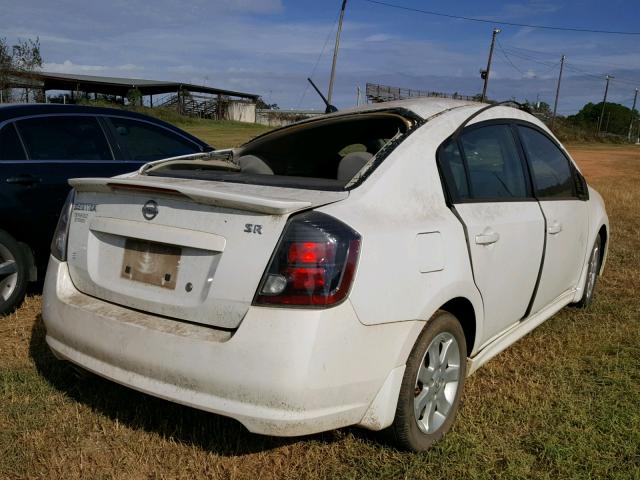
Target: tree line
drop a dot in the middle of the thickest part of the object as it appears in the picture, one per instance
(23, 57)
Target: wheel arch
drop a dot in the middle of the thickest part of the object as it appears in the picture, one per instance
(603, 233)
(463, 310)
(26, 249)
(31, 259)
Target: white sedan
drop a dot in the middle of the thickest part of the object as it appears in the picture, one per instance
(350, 269)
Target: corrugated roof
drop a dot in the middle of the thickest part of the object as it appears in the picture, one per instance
(120, 86)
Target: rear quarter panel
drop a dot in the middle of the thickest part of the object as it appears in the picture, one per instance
(414, 256)
(597, 219)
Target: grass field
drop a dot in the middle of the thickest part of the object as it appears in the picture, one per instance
(564, 402)
(223, 134)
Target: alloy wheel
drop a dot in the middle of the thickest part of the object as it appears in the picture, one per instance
(8, 273)
(437, 382)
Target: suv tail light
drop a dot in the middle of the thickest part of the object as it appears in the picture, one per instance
(59, 242)
(313, 265)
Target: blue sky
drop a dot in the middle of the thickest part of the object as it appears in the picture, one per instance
(269, 47)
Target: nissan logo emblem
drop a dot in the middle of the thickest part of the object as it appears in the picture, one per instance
(150, 210)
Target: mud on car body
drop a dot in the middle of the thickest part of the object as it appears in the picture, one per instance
(350, 269)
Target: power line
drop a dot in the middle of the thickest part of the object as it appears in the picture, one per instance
(569, 65)
(533, 53)
(313, 71)
(547, 54)
(601, 75)
(504, 54)
(531, 59)
(500, 22)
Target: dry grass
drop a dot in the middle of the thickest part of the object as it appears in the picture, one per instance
(223, 134)
(564, 402)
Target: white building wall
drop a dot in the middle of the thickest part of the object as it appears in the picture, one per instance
(241, 111)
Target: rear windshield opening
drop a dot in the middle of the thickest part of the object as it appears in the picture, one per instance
(323, 154)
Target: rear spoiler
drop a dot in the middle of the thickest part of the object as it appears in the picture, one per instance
(203, 192)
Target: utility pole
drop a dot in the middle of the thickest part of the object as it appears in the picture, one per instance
(484, 74)
(635, 99)
(335, 52)
(604, 102)
(555, 105)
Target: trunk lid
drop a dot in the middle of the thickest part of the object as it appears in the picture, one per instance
(187, 249)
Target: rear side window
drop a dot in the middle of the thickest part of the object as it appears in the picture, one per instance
(453, 170)
(64, 138)
(551, 171)
(10, 146)
(494, 166)
(146, 142)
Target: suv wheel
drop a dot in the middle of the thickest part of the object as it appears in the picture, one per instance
(13, 273)
(432, 384)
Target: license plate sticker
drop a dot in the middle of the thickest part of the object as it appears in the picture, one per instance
(151, 263)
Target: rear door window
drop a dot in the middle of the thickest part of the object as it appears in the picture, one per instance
(551, 171)
(146, 142)
(74, 137)
(495, 169)
(10, 146)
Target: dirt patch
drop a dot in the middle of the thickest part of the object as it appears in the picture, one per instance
(606, 161)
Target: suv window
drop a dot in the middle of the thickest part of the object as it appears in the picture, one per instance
(53, 137)
(550, 167)
(10, 147)
(146, 142)
(495, 169)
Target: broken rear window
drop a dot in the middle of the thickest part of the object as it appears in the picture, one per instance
(321, 154)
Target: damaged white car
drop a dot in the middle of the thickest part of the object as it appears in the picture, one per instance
(349, 269)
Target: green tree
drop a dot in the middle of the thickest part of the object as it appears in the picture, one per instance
(5, 68)
(23, 58)
(26, 55)
(542, 109)
(134, 97)
(261, 104)
(616, 117)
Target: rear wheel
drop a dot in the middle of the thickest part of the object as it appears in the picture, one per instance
(13, 273)
(432, 384)
(592, 274)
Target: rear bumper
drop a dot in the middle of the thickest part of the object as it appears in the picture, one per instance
(282, 372)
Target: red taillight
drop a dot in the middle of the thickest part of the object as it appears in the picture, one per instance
(311, 252)
(306, 278)
(314, 264)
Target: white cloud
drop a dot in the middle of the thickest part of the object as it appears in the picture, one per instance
(254, 46)
(512, 11)
(69, 67)
(378, 37)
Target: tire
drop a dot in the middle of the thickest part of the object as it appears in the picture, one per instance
(14, 270)
(592, 274)
(429, 397)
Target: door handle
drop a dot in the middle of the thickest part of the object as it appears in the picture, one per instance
(554, 228)
(487, 238)
(25, 180)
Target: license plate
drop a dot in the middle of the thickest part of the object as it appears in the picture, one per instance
(151, 263)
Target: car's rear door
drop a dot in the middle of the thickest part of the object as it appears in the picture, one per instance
(567, 220)
(58, 147)
(142, 141)
(490, 192)
(12, 159)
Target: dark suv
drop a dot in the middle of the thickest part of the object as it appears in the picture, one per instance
(41, 147)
